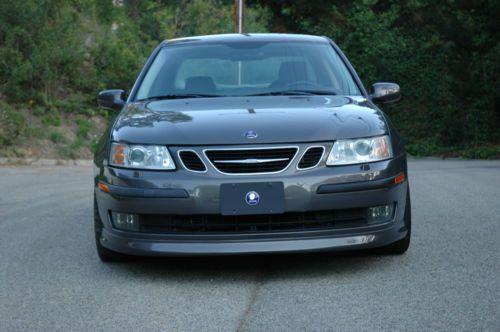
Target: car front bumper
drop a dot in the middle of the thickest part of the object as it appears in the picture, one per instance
(183, 192)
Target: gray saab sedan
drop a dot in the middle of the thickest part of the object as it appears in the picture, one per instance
(249, 144)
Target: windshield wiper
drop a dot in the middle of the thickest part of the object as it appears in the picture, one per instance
(294, 93)
(180, 96)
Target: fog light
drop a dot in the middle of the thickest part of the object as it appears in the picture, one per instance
(125, 221)
(381, 213)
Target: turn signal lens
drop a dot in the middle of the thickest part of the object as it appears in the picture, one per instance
(118, 157)
(103, 187)
(399, 178)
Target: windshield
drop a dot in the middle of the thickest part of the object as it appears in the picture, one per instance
(245, 69)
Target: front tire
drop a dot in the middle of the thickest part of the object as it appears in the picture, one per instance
(105, 254)
(401, 246)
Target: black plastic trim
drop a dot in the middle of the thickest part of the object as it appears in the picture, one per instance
(356, 186)
(147, 192)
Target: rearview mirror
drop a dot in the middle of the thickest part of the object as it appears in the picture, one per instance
(111, 99)
(385, 92)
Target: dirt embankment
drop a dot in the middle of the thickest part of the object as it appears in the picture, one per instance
(60, 136)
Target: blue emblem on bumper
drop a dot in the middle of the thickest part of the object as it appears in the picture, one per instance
(252, 198)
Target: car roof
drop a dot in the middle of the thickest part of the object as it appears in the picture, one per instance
(243, 37)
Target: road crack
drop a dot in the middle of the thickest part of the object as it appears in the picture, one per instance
(259, 281)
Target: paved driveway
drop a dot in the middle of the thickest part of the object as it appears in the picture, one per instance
(449, 280)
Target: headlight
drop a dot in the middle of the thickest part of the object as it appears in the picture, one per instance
(141, 156)
(357, 151)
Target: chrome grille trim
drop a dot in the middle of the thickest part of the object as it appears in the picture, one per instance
(255, 148)
(251, 161)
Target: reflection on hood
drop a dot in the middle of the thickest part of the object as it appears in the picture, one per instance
(276, 119)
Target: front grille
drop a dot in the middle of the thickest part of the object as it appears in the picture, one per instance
(291, 221)
(192, 161)
(241, 161)
(312, 157)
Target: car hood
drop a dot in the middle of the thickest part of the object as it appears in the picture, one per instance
(276, 119)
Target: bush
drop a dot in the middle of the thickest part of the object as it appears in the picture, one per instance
(52, 118)
(424, 148)
(56, 137)
(56, 55)
(77, 144)
(12, 124)
(84, 127)
(482, 152)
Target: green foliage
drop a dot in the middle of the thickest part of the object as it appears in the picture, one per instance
(40, 48)
(36, 132)
(51, 118)
(93, 144)
(77, 144)
(56, 55)
(59, 53)
(481, 152)
(57, 137)
(84, 127)
(424, 148)
(11, 124)
(66, 152)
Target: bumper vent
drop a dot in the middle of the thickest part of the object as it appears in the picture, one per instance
(217, 224)
(192, 161)
(311, 157)
(250, 161)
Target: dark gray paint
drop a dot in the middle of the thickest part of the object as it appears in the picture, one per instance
(300, 192)
(221, 121)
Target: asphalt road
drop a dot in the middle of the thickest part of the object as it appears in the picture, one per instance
(449, 280)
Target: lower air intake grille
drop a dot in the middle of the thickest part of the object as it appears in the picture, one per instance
(290, 221)
(192, 161)
(262, 160)
(312, 157)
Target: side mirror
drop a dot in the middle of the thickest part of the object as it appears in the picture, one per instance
(111, 99)
(385, 92)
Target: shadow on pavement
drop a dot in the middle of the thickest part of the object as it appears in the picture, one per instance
(280, 266)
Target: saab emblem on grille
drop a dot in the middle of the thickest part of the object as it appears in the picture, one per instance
(252, 198)
(250, 134)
